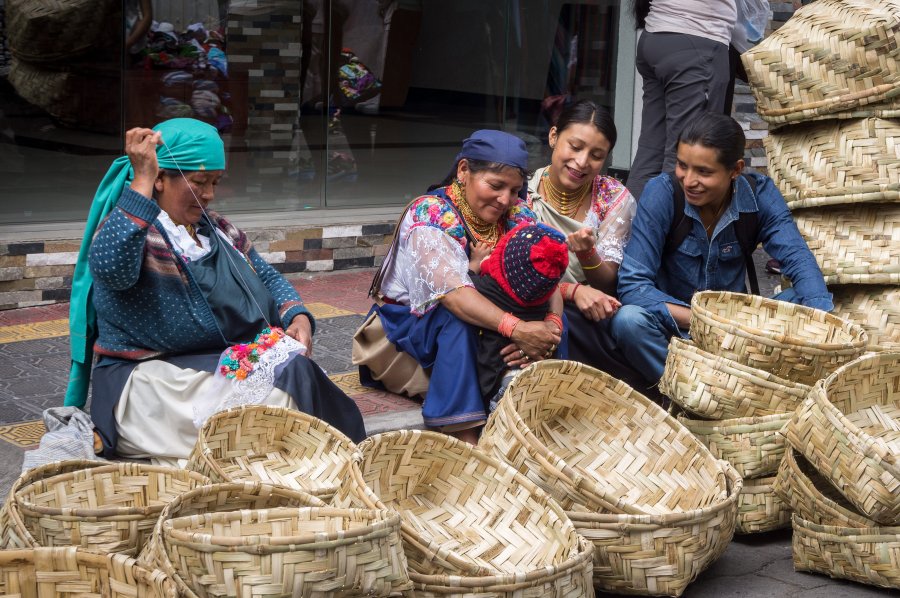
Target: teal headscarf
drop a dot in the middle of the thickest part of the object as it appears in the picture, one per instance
(189, 145)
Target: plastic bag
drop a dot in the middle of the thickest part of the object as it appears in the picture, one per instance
(750, 28)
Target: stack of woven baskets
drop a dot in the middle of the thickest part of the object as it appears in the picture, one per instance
(841, 473)
(749, 366)
(658, 507)
(826, 82)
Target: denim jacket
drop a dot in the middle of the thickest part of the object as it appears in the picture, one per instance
(650, 280)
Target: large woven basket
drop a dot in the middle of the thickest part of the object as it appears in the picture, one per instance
(849, 430)
(715, 387)
(833, 58)
(110, 508)
(869, 555)
(308, 551)
(595, 444)
(471, 523)
(659, 554)
(752, 445)
(811, 496)
(791, 341)
(71, 571)
(875, 308)
(840, 162)
(13, 533)
(57, 30)
(760, 509)
(276, 445)
(854, 244)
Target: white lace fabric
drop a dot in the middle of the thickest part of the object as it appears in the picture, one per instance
(428, 265)
(226, 393)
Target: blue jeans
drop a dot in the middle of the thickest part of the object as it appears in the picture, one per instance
(643, 341)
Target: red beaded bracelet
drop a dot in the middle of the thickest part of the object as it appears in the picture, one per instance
(508, 324)
(555, 318)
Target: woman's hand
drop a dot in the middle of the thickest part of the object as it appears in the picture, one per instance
(531, 341)
(581, 240)
(595, 304)
(140, 147)
(478, 252)
(301, 331)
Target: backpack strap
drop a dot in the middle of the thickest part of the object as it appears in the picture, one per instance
(745, 229)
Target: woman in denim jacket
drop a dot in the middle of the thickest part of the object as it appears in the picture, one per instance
(656, 289)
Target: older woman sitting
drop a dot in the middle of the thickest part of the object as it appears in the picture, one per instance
(173, 286)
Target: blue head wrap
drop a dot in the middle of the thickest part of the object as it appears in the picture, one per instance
(494, 146)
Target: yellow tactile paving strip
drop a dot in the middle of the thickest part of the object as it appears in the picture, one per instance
(323, 310)
(24, 434)
(349, 383)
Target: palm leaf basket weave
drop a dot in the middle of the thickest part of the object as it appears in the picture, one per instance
(308, 551)
(56, 30)
(716, 387)
(840, 162)
(110, 508)
(849, 430)
(752, 445)
(760, 509)
(276, 445)
(659, 554)
(869, 555)
(875, 308)
(595, 444)
(855, 244)
(812, 497)
(471, 525)
(220, 498)
(13, 533)
(71, 571)
(831, 59)
(791, 341)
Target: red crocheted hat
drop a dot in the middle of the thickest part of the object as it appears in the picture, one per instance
(528, 262)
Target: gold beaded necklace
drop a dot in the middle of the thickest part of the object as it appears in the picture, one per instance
(483, 231)
(566, 203)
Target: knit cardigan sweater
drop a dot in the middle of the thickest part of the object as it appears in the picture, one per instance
(148, 302)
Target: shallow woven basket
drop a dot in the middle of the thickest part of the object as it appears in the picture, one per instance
(13, 533)
(276, 445)
(849, 430)
(791, 341)
(715, 387)
(471, 523)
(855, 244)
(840, 162)
(659, 554)
(760, 509)
(595, 444)
(308, 551)
(220, 498)
(752, 445)
(832, 58)
(875, 308)
(110, 508)
(71, 571)
(812, 496)
(868, 555)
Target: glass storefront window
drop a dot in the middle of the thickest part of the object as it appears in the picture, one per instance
(321, 103)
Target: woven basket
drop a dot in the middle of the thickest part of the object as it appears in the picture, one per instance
(716, 387)
(276, 445)
(841, 162)
(812, 497)
(833, 58)
(595, 444)
(849, 430)
(471, 523)
(875, 308)
(73, 572)
(751, 444)
(659, 554)
(220, 498)
(13, 533)
(788, 340)
(57, 30)
(110, 508)
(856, 244)
(760, 509)
(866, 555)
(308, 551)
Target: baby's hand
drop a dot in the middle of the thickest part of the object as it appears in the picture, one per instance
(478, 252)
